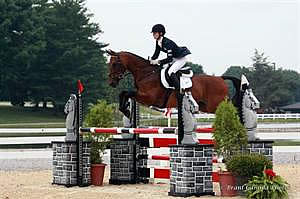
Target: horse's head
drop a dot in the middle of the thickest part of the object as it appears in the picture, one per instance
(116, 68)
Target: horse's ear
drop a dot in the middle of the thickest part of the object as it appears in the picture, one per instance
(112, 53)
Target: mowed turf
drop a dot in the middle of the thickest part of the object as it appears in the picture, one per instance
(14, 115)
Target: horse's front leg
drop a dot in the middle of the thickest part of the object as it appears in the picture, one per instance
(124, 103)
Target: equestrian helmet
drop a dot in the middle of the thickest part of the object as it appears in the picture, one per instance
(159, 28)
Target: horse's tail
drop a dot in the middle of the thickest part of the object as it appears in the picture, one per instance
(237, 98)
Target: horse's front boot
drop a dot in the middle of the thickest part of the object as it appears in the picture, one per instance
(125, 111)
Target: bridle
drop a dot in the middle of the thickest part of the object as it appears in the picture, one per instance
(119, 75)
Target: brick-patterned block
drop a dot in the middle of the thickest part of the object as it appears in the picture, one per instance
(264, 147)
(191, 170)
(123, 164)
(65, 163)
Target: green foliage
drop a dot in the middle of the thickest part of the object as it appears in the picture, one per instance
(99, 115)
(47, 47)
(274, 87)
(22, 41)
(12, 115)
(261, 187)
(125, 84)
(72, 53)
(235, 71)
(248, 165)
(229, 134)
(197, 69)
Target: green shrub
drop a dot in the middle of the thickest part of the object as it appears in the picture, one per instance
(99, 115)
(267, 185)
(230, 135)
(248, 165)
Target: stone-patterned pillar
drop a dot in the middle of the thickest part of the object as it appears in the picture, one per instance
(65, 163)
(191, 170)
(143, 172)
(264, 147)
(123, 161)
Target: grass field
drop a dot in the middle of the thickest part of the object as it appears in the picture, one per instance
(286, 143)
(17, 115)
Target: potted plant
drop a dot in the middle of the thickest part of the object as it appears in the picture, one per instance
(267, 185)
(230, 137)
(245, 166)
(99, 115)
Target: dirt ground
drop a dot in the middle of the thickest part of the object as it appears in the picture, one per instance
(37, 185)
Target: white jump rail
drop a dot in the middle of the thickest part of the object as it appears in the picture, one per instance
(33, 130)
(30, 140)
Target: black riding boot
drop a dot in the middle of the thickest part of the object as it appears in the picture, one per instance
(175, 82)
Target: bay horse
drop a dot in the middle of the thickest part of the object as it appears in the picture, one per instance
(208, 91)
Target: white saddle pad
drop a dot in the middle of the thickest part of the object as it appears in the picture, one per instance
(185, 80)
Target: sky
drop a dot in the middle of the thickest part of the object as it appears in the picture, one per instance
(219, 33)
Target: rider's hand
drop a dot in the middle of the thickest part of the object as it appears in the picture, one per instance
(154, 62)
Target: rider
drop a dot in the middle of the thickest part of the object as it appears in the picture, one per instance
(176, 56)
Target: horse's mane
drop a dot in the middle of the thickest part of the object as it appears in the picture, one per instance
(143, 59)
(144, 63)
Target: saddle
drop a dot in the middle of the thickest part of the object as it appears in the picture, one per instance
(184, 75)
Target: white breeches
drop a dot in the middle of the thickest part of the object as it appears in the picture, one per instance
(177, 64)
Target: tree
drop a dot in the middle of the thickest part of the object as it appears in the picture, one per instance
(197, 68)
(230, 135)
(273, 87)
(268, 83)
(72, 52)
(47, 47)
(237, 72)
(23, 40)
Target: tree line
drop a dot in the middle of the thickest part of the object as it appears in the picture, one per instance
(46, 46)
(274, 87)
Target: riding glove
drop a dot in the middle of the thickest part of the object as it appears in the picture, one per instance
(154, 62)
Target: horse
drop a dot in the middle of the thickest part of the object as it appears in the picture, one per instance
(208, 91)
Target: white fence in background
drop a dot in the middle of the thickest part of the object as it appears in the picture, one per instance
(210, 116)
(279, 116)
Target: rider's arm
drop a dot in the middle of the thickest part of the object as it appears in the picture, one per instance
(156, 53)
(170, 46)
(168, 59)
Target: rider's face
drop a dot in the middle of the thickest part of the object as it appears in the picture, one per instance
(156, 35)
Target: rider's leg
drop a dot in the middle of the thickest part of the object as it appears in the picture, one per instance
(175, 81)
(176, 66)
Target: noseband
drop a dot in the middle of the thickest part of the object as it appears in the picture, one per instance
(118, 75)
